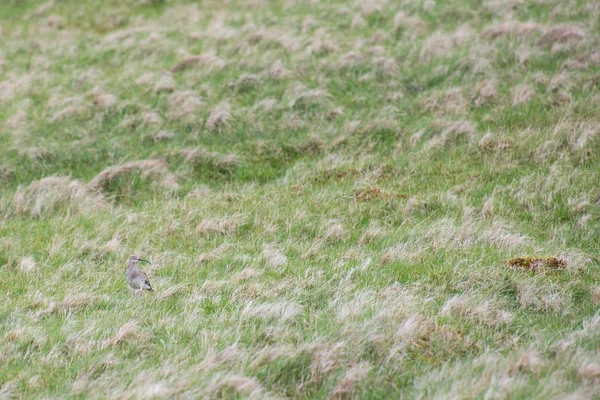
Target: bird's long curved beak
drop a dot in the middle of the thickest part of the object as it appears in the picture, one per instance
(139, 259)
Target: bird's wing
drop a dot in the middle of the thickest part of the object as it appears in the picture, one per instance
(145, 277)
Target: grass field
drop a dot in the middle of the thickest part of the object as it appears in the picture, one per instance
(329, 191)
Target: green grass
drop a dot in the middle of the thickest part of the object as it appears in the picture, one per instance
(342, 232)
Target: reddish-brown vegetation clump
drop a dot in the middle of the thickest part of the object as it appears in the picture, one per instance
(537, 264)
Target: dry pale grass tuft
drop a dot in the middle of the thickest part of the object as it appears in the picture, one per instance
(12, 86)
(155, 168)
(451, 131)
(184, 104)
(130, 332)
(335, 230)
(27, 264)
(74, 302)
(529, 361)
(246, 274)
(513, 28)
(244, 82)
(165, 83)
(218, 161)
(451, 101)
(411, 23)
(230, 386)
(77, 108)
(563, 34)
(278, 71)
(266, 105)
(589, 372)
(45, 195)
(542, 296)
(162, 136)
(172, 291)
(351, 308)
(300, 97)
(372, 233)
(489, 312)
(102, 99)
(439, 45)
(16, 120)
(487, 210)
(595, 291)
(522, 94)
(207, 61)
(224, 225)
(281, 310)
(274, 257)
(484, 92)
(348, 384)
(406, 252)
(152, 118)
(219, 116)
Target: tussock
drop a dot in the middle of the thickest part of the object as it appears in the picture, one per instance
(489, 312)
(162, 136)
(278, 71)
(303, 98)
(75, 302)
(102, 99)
(184, 105)
(240, 384)
(522, 94)
(513, 28)
(411, 23)
(68, 112)
(445, 233)
(274, 257)
(152, 118)
(246, 274)
(595, 292)
(335, 231)
(165, 83)
(124, 34)
(452, 131)
(352, 308)
(484, 92)
(16, 120)
(244, 82)
(439, 45)
(451, 102)
(224, 225)
(45, 195)
(405, 252)
(348, 384)
(280, 311)
(130, 332)
(207, 60)
(154, 168)
(563, 34)
(542, 296)
(27, 264)
(220, 162)
(219, 116)
(589, 372)
(172, 291)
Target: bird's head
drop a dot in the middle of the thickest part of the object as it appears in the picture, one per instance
(134, 260)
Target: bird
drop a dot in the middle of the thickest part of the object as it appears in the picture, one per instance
(136, 278)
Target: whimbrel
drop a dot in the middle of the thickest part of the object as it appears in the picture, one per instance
(136, 278)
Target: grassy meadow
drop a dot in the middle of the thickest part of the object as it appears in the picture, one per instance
(329, 191)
